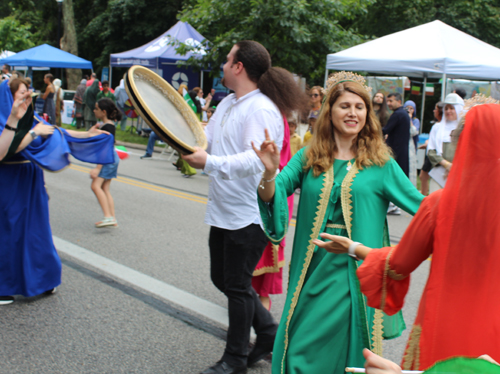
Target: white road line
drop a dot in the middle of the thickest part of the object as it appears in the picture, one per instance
(145, 282)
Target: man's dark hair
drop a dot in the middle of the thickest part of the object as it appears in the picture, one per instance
(105, 83)
(461, 92)
(396, 95)
(276, 83)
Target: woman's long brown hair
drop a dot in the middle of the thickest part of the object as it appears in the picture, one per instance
(369, 146)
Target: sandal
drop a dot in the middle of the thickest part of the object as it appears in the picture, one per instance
(107, 221)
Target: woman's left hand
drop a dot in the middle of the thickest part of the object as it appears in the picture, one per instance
(94, 131)
(337, 244)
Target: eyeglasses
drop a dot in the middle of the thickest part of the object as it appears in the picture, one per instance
(313, 95)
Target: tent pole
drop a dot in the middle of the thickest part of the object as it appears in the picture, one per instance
(201, 85)
(326, 78)
(443, 87)
(423, 105)
(110, 75)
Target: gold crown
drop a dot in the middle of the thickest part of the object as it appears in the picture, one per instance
(345, 76)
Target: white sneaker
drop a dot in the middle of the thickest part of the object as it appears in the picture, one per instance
(394, 212)
(5, 300)
(107, 221)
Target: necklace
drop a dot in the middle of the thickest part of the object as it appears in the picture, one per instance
(349, 165)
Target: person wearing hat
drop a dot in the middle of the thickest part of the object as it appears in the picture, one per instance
(439, 149)
(313, 116)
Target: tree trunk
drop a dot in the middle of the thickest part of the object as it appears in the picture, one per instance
(69, 43)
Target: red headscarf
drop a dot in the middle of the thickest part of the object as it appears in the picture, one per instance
(465, 277)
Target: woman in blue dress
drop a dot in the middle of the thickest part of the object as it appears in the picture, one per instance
(29, 263)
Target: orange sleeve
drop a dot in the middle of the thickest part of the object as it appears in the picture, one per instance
(384, 275)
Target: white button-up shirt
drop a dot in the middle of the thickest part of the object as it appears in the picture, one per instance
(233, 167)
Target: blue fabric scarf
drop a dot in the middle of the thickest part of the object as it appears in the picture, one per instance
(52, 153)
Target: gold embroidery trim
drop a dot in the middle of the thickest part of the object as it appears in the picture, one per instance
(318, 222)
(378, 330)
(277, 265)
(345, 197)
(15, 162)
(411, 358)
(335, 226)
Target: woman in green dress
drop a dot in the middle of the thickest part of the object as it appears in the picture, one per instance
(347, 179)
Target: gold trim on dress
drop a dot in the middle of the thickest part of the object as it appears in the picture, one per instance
(346, 201)
(15, 162)
(336, 226)
(277, 265)
(318, 222)
(411, 358)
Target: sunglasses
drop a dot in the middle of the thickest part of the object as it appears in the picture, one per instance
(314, 95)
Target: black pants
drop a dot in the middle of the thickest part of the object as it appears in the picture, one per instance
(233, 256)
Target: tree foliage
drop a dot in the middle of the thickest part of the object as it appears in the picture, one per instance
(298, 33)
(479, 18)
(14, 36)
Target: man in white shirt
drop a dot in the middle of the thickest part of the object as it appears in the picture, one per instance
(237, 240)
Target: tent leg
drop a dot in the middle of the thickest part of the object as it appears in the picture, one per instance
(201, 84)
(443, 87)
(326, 77)
(110, 75)
(423, 106)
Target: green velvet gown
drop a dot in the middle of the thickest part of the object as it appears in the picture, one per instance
(325, 323)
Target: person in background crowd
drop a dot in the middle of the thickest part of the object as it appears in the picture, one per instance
(440, 150)
(78, 100)
(59, 95)
(49, 107)
(6, 74)
(295, 139)
(204, 103)
(106, 93)
(424, 172)
(106, 111)
(93, 77)
(28, 80)
(458, 311)
(461, 92)
(121, 98)
(313, 117)
(397, 131)
(89, 99)
(411, 109)
(151, 145)
(380, 107)
(316, 96)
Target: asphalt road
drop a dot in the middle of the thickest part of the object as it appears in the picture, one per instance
(138, 298)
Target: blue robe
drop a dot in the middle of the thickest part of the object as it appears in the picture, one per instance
(29, 263)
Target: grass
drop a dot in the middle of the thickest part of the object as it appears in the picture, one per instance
(127, 136)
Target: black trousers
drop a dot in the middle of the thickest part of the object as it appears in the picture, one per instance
(233, 256)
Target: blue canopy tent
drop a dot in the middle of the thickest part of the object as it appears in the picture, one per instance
(47, 56)
(161, 56)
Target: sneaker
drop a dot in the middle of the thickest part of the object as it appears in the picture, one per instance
(107, 221)
(394, 212)
(5, 300)
(146, 156)
(50, 292)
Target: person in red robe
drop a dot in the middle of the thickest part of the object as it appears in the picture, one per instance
(268, 274)
(459, 312)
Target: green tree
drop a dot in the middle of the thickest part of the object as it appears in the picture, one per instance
(14, 36)
(479, 18)
(297, 33)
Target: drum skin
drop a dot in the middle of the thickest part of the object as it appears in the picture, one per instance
(164, 110)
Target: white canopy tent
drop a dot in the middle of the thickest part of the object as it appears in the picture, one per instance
(431, 50)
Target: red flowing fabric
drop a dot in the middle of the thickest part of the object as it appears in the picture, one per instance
(268, 274)
(459, 313)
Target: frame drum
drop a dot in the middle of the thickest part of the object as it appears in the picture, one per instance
(164, 110)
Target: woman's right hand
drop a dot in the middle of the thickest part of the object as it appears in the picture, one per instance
(20, 106)
(269, 154)
(43, 130)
